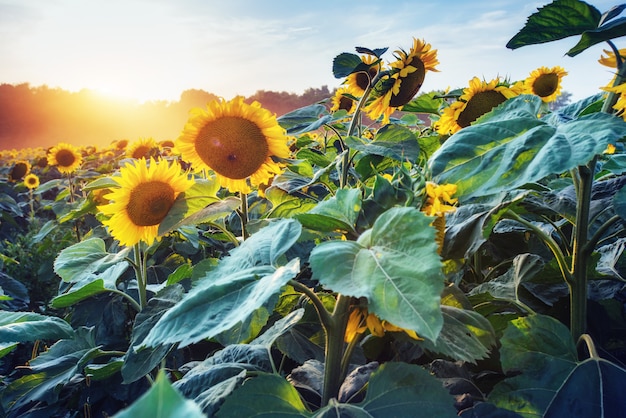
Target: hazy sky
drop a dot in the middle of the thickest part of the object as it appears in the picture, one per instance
(155, 49)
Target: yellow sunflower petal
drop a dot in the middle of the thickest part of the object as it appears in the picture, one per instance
(545, 83)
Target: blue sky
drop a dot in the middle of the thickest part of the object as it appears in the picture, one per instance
(155, 49)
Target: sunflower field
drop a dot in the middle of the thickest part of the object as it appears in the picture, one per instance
(384, 253)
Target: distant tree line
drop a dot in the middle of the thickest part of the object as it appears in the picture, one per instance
(41, 116)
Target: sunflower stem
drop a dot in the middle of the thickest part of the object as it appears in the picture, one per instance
(334, 350)
(140, 273)
(243, 215)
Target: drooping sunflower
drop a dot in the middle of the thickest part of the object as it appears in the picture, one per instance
(65, 157)
(610, 60)
(31, 181)
(438, 202)
(545, 82)
(142, 148)
(147, 190)
(341, 101)
(236, 140)
(358, 82)
(406, 78)
(19, 170)
(361, 320)
(620, 104)
(477, 99)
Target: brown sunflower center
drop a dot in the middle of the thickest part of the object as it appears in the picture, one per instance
(362, 80)
(345, 103)
(31, 181)
(65, 158)
(232, 146)
(150, 202)
(142, 151)
(18, 171)
(546, 84)
(410, 84)
(478, 105)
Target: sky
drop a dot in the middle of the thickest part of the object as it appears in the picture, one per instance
(156, 49)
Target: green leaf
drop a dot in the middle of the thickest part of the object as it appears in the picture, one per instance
(541, 348)
(393, 141)
(395, 265)
(209, 310)
(75, 295)
(102, 183)
(340, 212)
(6, 348)
(619, 203)
(162, 401)
(267, 395)
(612, 30)
(305, 119)
(279, 328)
(88, 260)
(345, 64)
(198, 204)
(335, 409)
(512, 147)
(466, 335)
(28, 326)
(137, 364)
(595, 388)
(557, 20)
(60, 366)
(401, 389)
(103, 371)
(424, 103)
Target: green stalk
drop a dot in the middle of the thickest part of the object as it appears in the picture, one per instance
(141, 275)
(243, 215)
(334, 349)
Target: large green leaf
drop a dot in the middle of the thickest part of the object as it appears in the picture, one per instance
(340, 212)
(400, 390)
(268, 395)
(611, 30)
(88, 260)
(395, 265)
(162, 401)
(60, 366)
(138, 364)
(75, 295)
(393, 141)
(511, 147)
(595, 388)
(466, 335)
(541, 349)
(557, 20)
(209, 310)
(28, 326)
(305, 119)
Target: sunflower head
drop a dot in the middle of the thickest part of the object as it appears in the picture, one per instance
(406, 78)
(31, 181)
(545, 83)
(19, 170)
(610, 60)
(361, 320)
(66, 157)
(359, 81)
(342, 101)
(238, 141)
(147, 190)
(142, 148)
(477, 99)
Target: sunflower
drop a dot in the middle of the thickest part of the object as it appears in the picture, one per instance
(439, 201)
(31, 181)
(147, 191)
(407, 75)
(142, 148)
(66, 157)
(620, 104)
(342, 101)
(477, 99)
(360, 320)
(545, 82)
(19, 170)
(610, 59)
(236, 140)
(358, 82)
